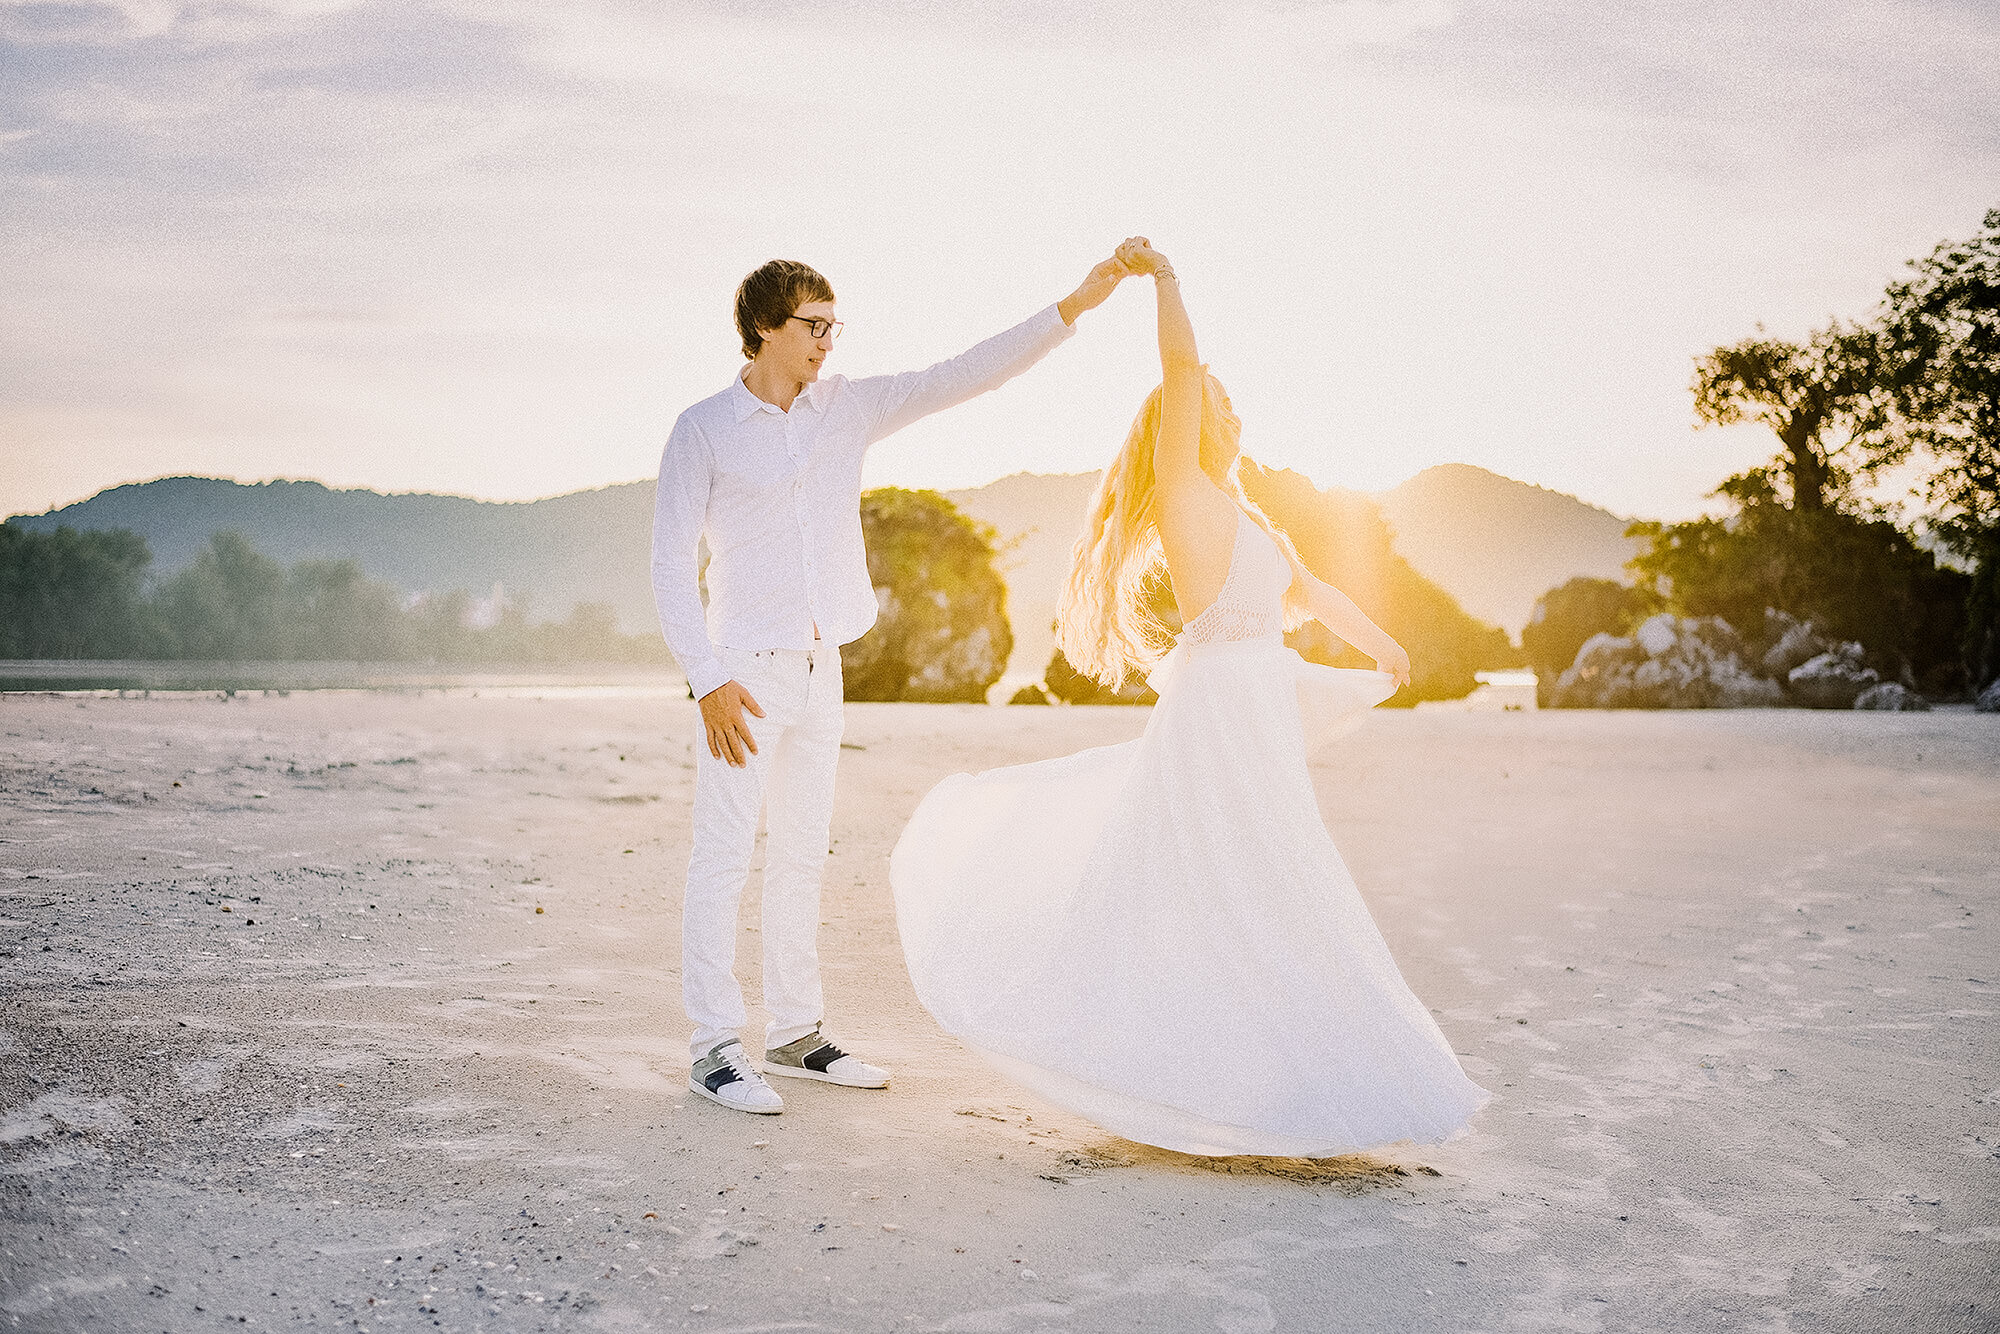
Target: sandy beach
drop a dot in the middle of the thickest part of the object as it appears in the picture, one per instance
(354, 1010)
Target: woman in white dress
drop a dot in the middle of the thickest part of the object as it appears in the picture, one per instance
(1161, 935)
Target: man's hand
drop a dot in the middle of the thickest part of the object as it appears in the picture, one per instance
(1098, 284)
(728, 733)
(1139, 257)
(1394, 661)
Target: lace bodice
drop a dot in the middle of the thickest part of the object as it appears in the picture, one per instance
(1252, 602)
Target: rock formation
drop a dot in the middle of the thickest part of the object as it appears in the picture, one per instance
(1672, 662)
(1892, 697)
(1832, 680)
(942, 633)
(1669, 662)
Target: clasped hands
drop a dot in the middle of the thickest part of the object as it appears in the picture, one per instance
(1135, 257)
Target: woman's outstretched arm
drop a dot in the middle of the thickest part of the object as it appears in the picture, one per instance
(1337, 612)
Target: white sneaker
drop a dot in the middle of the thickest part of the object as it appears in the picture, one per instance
(813, 1057)
(726, 1076)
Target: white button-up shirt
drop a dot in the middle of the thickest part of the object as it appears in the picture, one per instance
(778, 496)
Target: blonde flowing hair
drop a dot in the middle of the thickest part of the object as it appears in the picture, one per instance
(1105, 625)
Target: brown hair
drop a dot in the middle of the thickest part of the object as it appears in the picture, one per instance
(770, 295)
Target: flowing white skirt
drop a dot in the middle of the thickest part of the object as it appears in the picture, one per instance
(1162, 937)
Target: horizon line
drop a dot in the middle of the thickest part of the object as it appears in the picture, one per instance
(606, 486)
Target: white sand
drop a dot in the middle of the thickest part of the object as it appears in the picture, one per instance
(1731, 977)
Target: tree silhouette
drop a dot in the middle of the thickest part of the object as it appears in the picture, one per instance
(332, 610)
(225, 605)
(70, 594)
(1824, 399)
(1942, 336)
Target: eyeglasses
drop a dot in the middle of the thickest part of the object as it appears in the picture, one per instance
(817, 328)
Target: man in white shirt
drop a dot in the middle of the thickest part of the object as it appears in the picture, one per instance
(769, 470)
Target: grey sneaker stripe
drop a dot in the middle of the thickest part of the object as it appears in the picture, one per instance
(819, 1060)
(719, 1076)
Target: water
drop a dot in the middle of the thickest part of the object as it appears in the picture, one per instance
(114, 678)
(1497, 692)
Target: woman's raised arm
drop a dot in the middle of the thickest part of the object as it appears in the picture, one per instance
(1177, 449)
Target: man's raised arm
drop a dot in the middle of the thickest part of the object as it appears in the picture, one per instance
(897, 400)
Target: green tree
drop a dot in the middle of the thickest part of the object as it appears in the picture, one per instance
(332, 611)
(511, 637)
(71, 594)
(1567, 616)
(1843, 405)
(225, 606)
(1942, 333)
(590, 634)
(1855, 576)
(942, 634)
(438, 629)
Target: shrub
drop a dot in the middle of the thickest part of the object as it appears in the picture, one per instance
(1568, 616)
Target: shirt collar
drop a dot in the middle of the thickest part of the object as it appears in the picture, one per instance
(747, 404)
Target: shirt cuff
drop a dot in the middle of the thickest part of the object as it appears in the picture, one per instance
(1052, 324)
(706, 677)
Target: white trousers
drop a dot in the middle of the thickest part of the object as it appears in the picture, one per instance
(791, 779)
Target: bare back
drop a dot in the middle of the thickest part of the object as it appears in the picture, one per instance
(1198, 533)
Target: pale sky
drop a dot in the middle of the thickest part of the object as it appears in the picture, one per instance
(489, 246)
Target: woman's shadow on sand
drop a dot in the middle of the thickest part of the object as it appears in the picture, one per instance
(1353, 1172)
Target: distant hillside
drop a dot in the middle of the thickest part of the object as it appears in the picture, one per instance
(588, 546)
(549, 555)
(1341, 535)
(1492, 543)
(1042, 516)
(1039, 517)
(1497, 544)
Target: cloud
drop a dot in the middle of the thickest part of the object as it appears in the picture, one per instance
(33, 22)
(188, 103)
(1796, 76)
(487, 244)
(110, 21)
